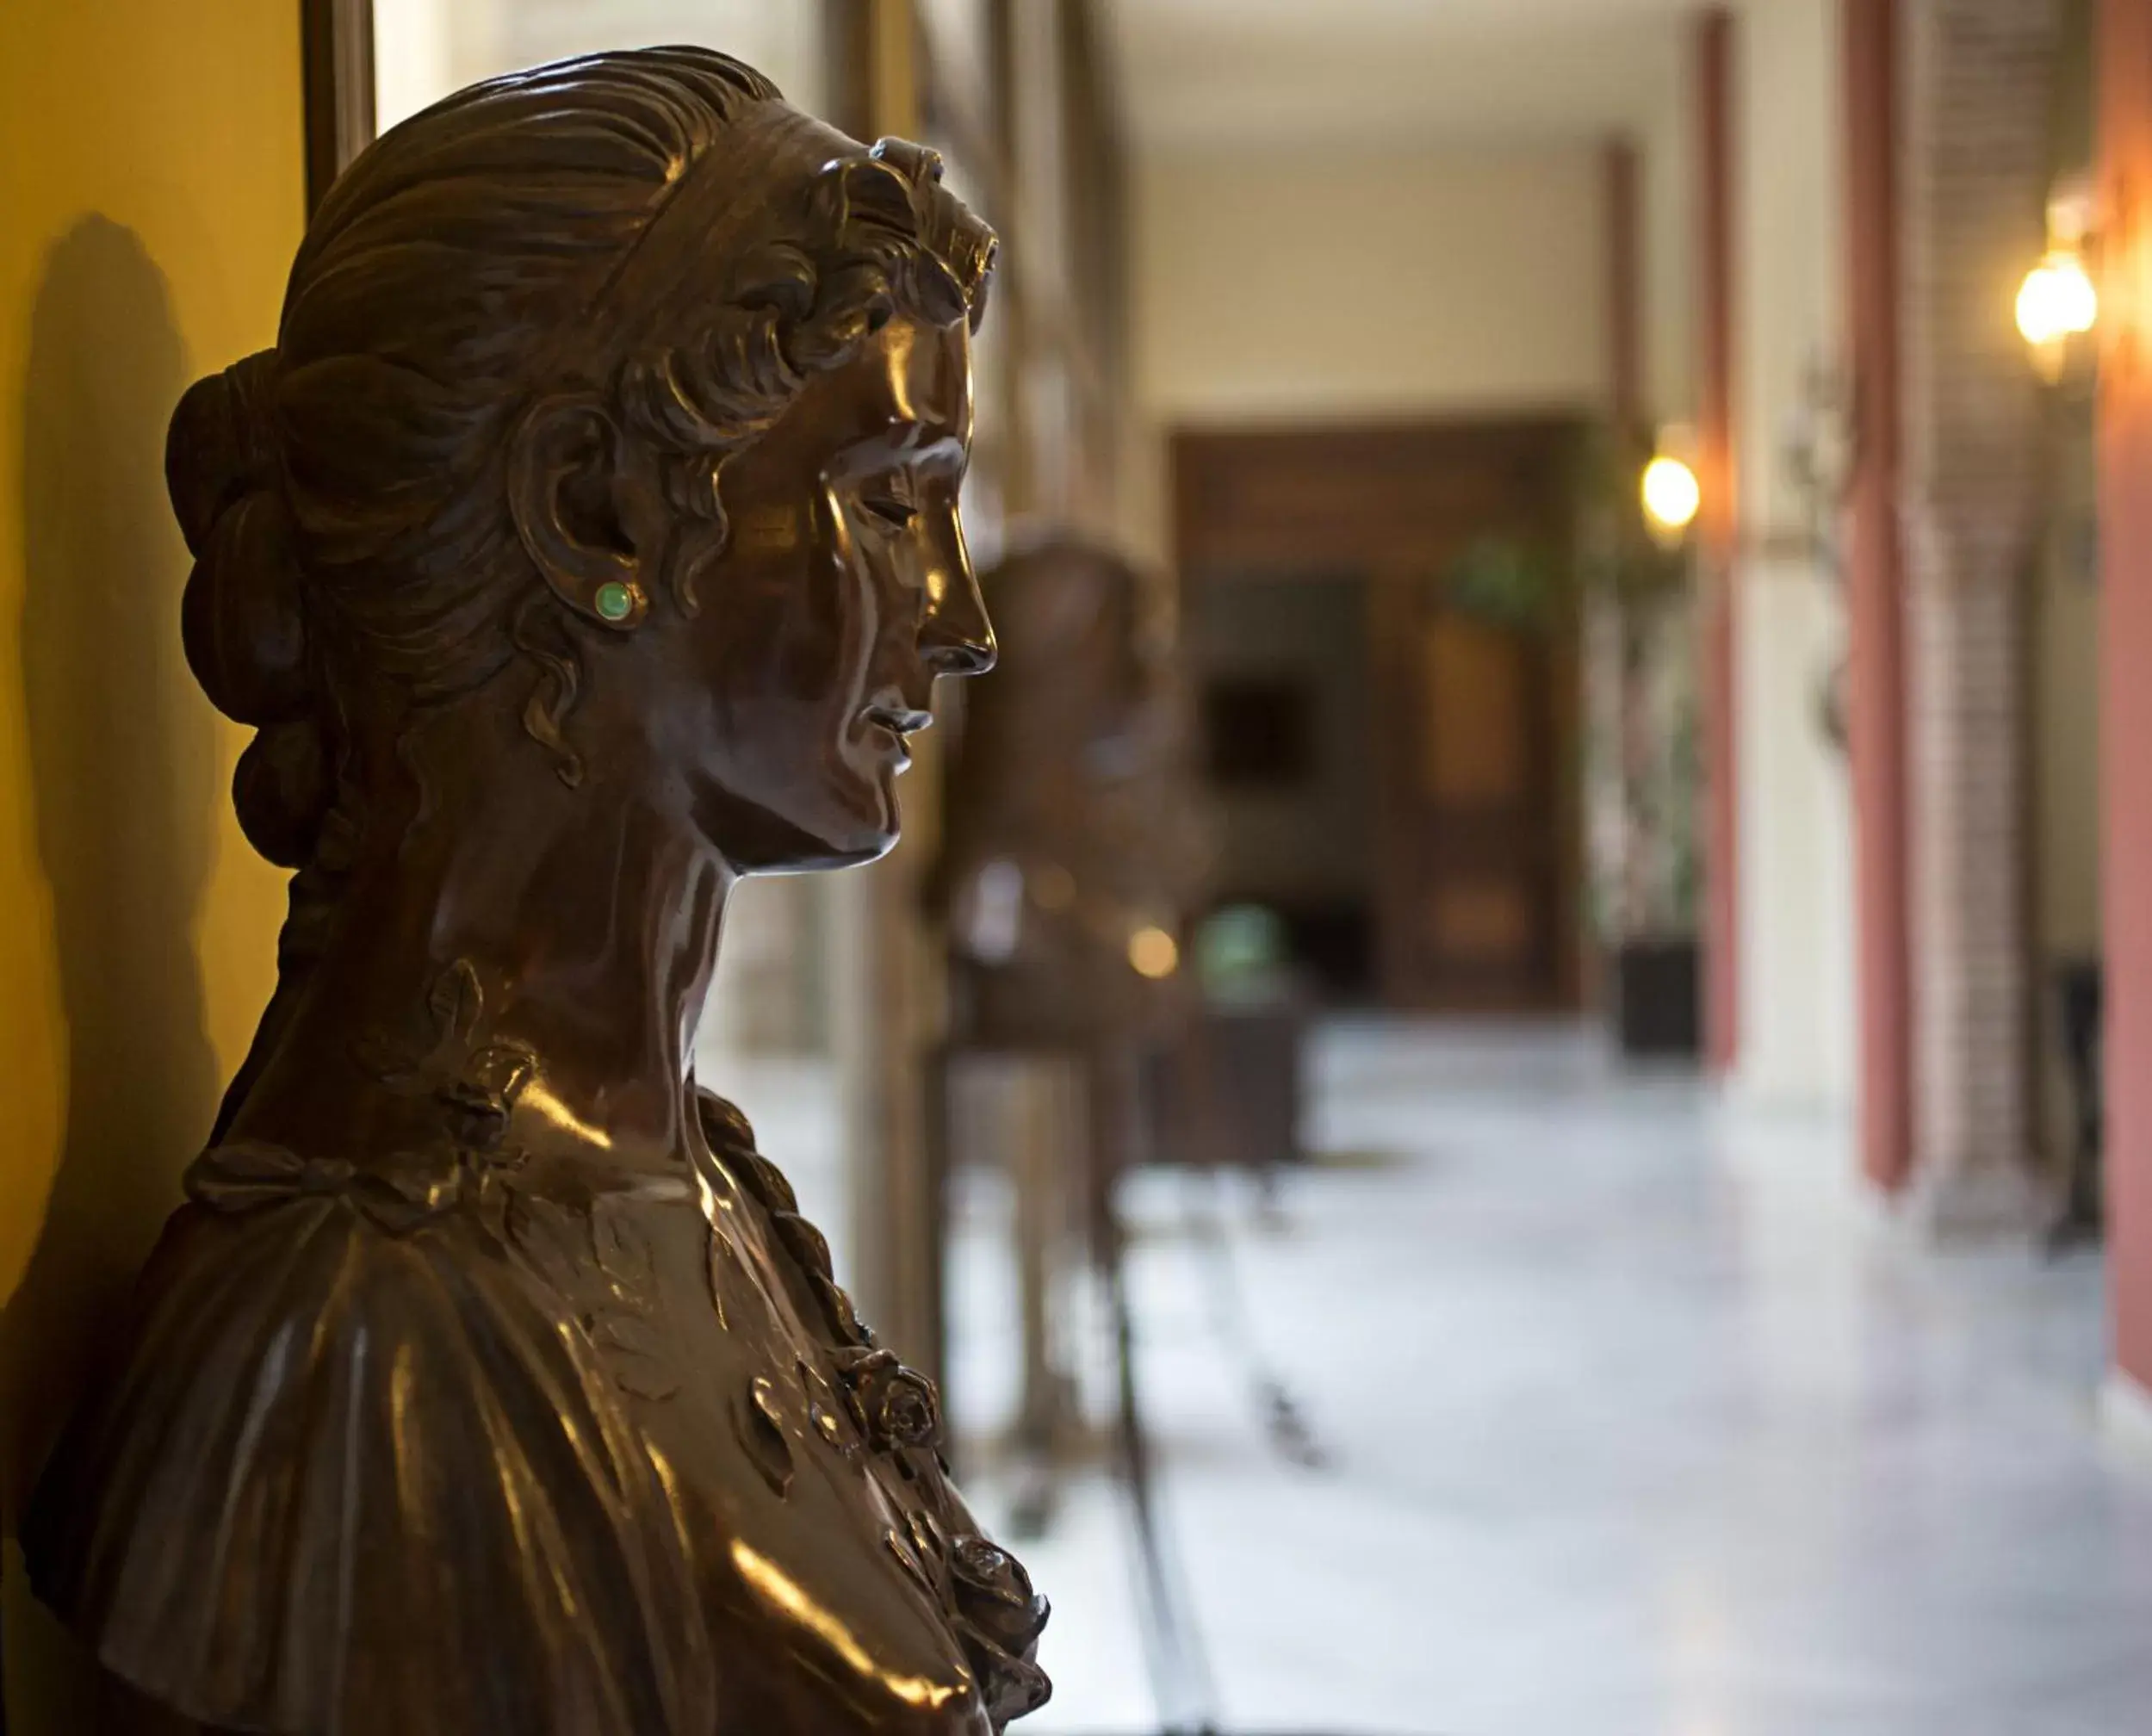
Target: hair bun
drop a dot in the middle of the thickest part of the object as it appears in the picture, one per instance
(221, 444)
(241, 620)
(282, 790)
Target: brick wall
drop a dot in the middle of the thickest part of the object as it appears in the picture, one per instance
(1974, 169)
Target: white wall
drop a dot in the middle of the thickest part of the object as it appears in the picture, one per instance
(1796, 904)
(1343, 283)
(1665, 136)
(423, 49)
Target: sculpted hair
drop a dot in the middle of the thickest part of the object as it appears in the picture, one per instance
(344, 494)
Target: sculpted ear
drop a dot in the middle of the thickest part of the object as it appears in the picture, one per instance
(582, 514)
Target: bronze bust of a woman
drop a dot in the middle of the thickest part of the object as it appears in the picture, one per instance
(588, 541)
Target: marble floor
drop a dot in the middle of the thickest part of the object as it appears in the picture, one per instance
(1635, 1422)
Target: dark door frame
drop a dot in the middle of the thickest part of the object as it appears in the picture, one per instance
(336, 40)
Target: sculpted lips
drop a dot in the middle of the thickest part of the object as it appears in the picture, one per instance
(900, 721)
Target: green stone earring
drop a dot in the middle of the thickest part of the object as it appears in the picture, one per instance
(615, 601)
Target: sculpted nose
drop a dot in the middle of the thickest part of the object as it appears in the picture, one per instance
(956, 638)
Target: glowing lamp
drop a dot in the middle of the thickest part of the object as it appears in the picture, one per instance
(2056, 300)
(1672, 494)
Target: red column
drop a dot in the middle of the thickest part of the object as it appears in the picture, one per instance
(2125, 668)
(1716, 528)
(1876, 676)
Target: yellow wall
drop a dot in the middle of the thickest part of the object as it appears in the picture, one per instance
(151, 195)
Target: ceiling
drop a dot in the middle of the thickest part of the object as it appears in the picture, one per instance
(1199, 73)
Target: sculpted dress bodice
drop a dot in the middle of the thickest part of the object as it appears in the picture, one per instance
(621, 1429)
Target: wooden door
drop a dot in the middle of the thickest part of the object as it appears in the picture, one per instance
(1472, 868)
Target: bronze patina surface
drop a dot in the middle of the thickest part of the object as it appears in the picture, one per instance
(588, 541)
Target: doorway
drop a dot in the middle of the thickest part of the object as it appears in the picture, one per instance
(1394, 762)
(1280, 661)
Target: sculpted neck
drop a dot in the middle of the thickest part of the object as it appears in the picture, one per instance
(500, 915)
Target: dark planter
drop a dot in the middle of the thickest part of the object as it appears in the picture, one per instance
(1657, 999)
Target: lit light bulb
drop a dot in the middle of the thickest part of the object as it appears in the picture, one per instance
(1671, 494)
(1154, 953)
(2056, 300)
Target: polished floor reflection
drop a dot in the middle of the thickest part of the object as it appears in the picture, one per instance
(1639, 1423)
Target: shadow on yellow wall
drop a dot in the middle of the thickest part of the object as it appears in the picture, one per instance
(123, 765)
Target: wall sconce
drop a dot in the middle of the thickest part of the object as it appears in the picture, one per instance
(1819, 456)
(2057, 300)
(1672, 496)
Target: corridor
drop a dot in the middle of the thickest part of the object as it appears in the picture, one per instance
(1637, 1422)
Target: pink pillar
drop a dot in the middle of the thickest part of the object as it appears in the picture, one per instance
(2125, 725)
(1876, 676)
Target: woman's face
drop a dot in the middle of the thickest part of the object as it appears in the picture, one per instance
(842, 590)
